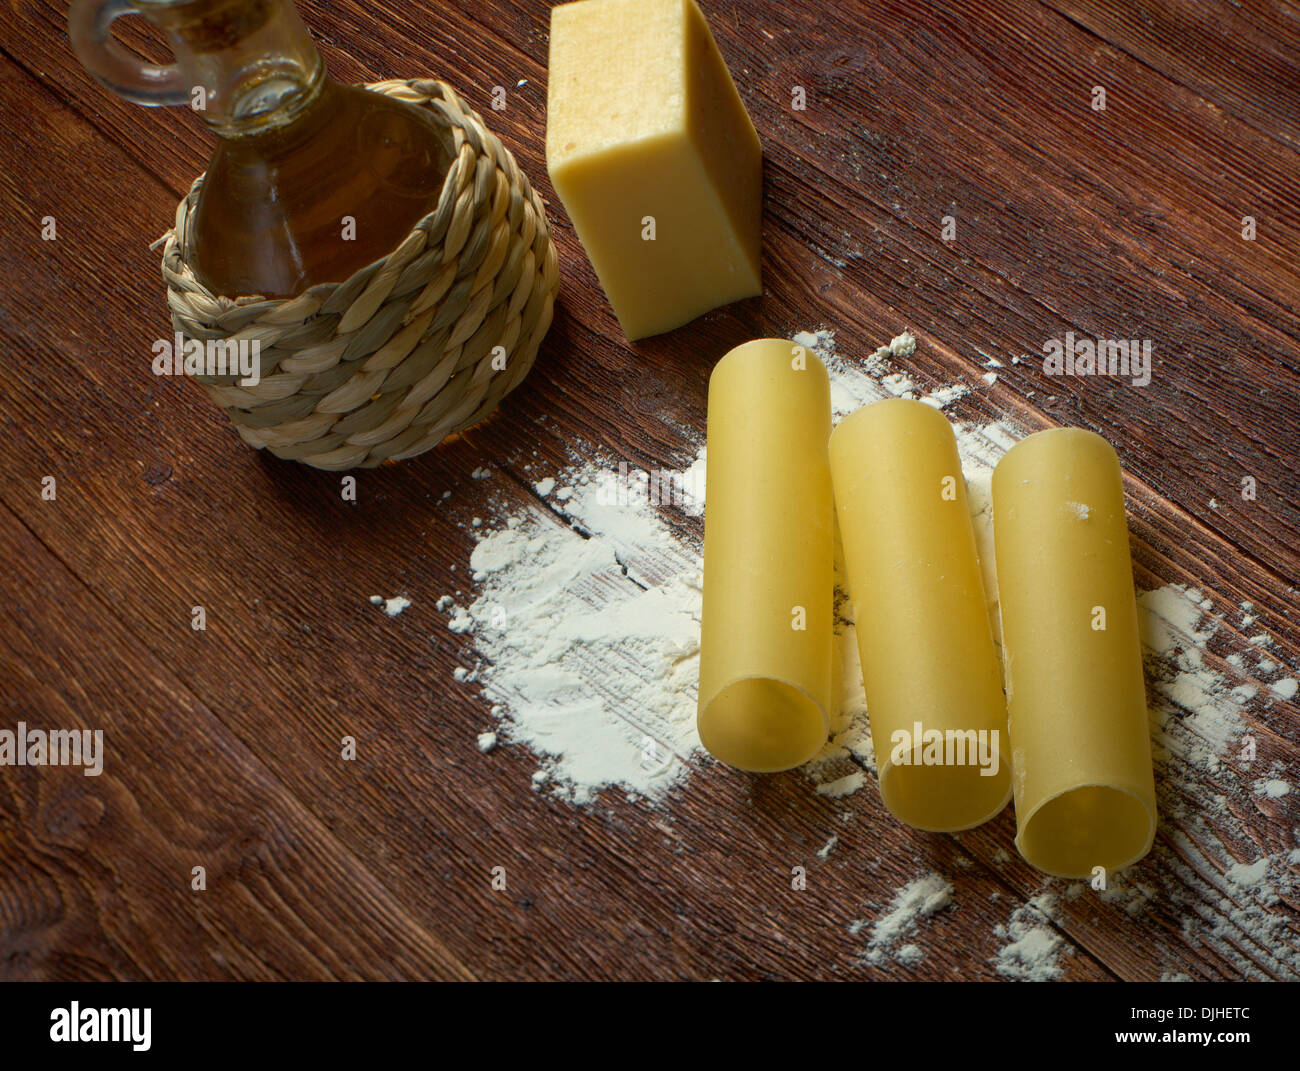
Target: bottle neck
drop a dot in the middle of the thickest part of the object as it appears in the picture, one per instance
(252, 64)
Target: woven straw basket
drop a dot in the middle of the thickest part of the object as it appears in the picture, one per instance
(408, 350)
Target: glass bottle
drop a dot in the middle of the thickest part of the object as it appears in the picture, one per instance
(311, 179)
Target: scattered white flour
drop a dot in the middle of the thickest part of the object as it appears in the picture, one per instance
(1275, 788)
(842, 786)
(487, 741)
(1032, 948)
(903, 345)
(589, 631)
(1126, 893)
(1196, 715)
(899, 384)
(915, 901)
(392, 607)
(909, 955)
(945, 396)
(821, 342)
(585, 617)
(1210, 871)
(1249, 874)
(828, 847)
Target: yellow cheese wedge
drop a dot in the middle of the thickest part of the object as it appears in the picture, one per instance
(655, 159)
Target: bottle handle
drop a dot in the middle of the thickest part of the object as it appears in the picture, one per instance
(90, 28)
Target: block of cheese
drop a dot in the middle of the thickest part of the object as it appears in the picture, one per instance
(656, 160)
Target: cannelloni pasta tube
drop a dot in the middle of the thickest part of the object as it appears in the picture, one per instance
(1081, 749)
(765, 647)
(929, 665)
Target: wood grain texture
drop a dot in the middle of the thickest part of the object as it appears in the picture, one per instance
(224, 745)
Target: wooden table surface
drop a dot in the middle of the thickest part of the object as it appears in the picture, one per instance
(223, 745)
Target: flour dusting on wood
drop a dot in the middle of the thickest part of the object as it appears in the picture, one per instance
(585, 630)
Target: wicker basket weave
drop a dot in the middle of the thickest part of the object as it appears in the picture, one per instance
(410, 349)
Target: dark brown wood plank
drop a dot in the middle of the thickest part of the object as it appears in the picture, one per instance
(1185, 42)
(1058, 231)
(98, 870)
